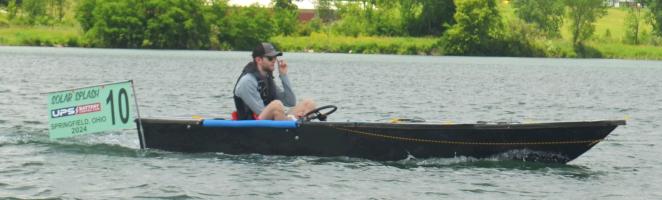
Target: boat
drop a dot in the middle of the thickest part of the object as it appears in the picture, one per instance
(556, 142)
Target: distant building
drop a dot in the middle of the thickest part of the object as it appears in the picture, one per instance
(301, 4)
(306, 14)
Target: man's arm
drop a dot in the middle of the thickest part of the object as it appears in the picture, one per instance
(247, 91)
(286, 95)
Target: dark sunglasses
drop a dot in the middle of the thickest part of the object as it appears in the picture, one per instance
(270, 58)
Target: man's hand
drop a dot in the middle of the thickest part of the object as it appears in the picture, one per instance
(299, 115)
(282, 66)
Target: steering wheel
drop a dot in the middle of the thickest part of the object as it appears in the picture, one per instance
(316, 114)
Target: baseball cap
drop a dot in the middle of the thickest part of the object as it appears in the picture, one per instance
(266, 49)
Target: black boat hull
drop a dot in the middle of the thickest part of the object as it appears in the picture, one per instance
(545, 142)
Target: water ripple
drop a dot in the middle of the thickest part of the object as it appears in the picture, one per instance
(33, 122)
(179, 196)
(32, 163)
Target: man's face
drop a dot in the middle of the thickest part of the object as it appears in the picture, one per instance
(266, 63)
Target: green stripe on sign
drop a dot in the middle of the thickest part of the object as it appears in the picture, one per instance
(90, 109)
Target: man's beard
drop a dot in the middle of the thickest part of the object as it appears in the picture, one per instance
(267, 69)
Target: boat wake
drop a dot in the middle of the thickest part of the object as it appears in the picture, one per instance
(517, 159)
(20, 134)
(526, 155)
(520, 158)
(112, 143)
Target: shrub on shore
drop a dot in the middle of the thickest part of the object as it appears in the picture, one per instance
(323, 42)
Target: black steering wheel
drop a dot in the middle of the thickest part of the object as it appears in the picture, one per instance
(316, 114)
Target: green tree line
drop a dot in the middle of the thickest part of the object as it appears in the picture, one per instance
(480, 29)
(35, 12)
(463, 27)
(202, 24)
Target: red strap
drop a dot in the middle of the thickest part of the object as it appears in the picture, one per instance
(235, 116)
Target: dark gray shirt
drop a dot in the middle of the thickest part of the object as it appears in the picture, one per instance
(247, 91)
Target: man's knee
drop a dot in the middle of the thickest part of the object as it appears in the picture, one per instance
(308, 103)
(276, 104)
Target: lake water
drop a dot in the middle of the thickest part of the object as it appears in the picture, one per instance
(371, 88)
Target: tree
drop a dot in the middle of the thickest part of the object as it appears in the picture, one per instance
(632, 28)
(171, 24)
(175, 24)
(324, 11)
(215, 14)
(286, 21)
(35, 10)
(286, 16)
(583, 13)
(477, 29)
(284, 4)
(117, 24)
(547, 15)
(11, 8)
(244, 28)
(369, 17)
(352, 20)
(655, 15)
(84, 13)
(59, 6)
(426, 17)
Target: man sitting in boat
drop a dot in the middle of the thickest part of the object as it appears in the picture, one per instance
(256, 95)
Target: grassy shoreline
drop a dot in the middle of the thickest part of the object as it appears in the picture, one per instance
(319, 42)
(70, 36)
(41, 36)
(607, 42)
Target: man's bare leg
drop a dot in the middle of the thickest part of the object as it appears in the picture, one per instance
(302, 108)
(274, 111)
